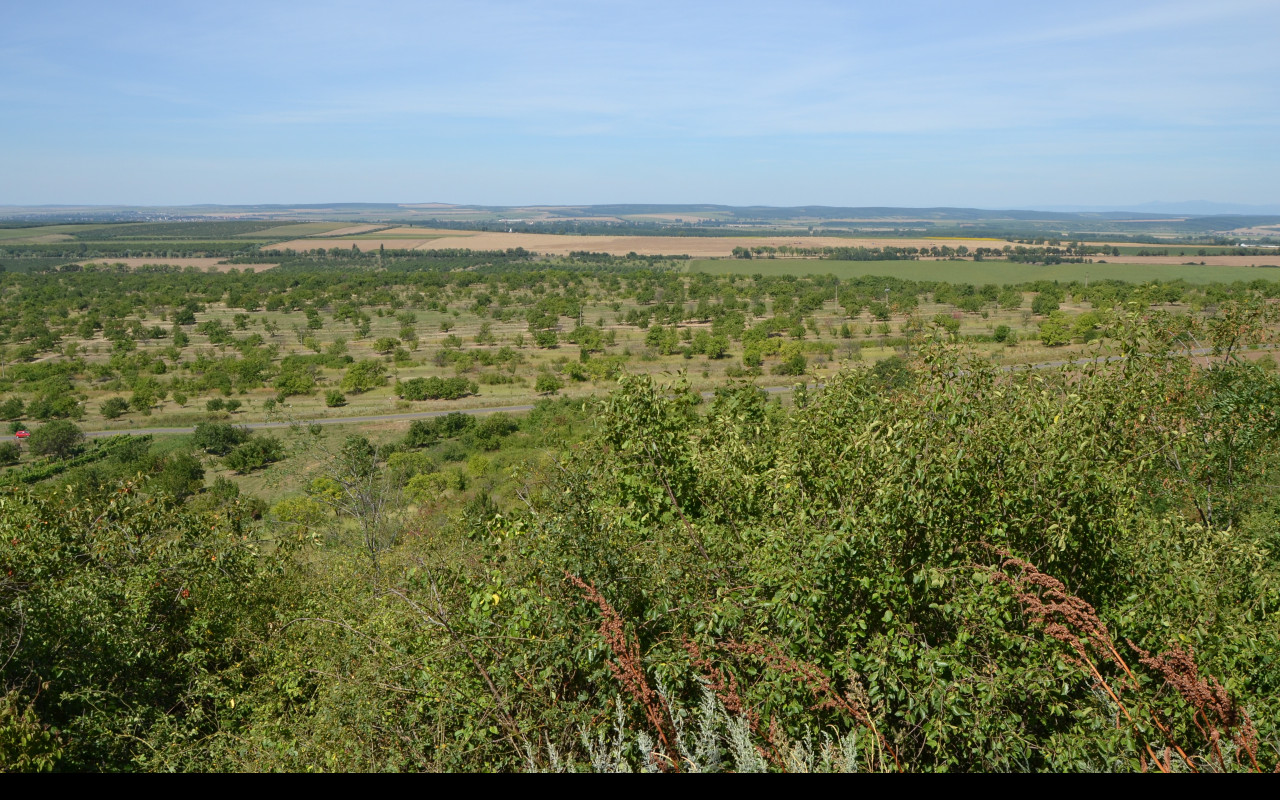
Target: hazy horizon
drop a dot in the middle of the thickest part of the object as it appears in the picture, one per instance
(1189, 208)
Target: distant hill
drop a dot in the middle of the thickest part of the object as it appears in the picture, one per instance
(1148, 220)
(1197, 208)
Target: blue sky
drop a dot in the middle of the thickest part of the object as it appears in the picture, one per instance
(914, 104)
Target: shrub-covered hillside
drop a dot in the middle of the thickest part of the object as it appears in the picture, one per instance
(943, 566)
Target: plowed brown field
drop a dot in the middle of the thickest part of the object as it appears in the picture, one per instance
(203, 264)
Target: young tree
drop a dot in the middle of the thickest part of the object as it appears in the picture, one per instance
(365, 375)
(11, 408)
(1044, 303)
(57, 439)
(114, 407)
(255, 453)
(218, 438)
(548, 383)
(1055, 331)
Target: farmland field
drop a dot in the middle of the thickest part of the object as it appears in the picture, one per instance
(987, 272)
(46, 233)
(724, 246)
(298, 229)
(557, 244)
(204, 264)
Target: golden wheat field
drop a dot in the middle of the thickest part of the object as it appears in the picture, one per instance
(560, 244)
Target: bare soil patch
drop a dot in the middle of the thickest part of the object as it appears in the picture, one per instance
(203, 264)
(365, 245)
(694, 246)
(419, 233)
(1251, 260)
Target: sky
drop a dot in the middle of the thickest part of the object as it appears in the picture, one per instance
(976, 104)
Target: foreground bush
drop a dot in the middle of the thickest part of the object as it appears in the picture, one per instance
(988, 572)
(121, 617)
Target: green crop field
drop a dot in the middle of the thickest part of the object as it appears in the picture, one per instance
(42, 232)
(295, 230)
(426, 233)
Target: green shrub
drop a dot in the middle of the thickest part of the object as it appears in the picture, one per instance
(114, 407)
(427, 432)
(547, 383)
(255, 453)
(294, 382)
(1044, 303)
(179, 476)
(794, 364)
(435, 388)
(11, 408)
(1010, 299)
(1055, 331)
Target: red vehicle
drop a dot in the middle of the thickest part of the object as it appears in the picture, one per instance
(22, 434)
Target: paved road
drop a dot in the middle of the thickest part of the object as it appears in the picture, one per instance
(515, 409)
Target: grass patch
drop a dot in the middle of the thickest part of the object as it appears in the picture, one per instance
(38, 232)
(298, 229)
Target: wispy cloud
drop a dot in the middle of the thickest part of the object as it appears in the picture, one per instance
(944, 92)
